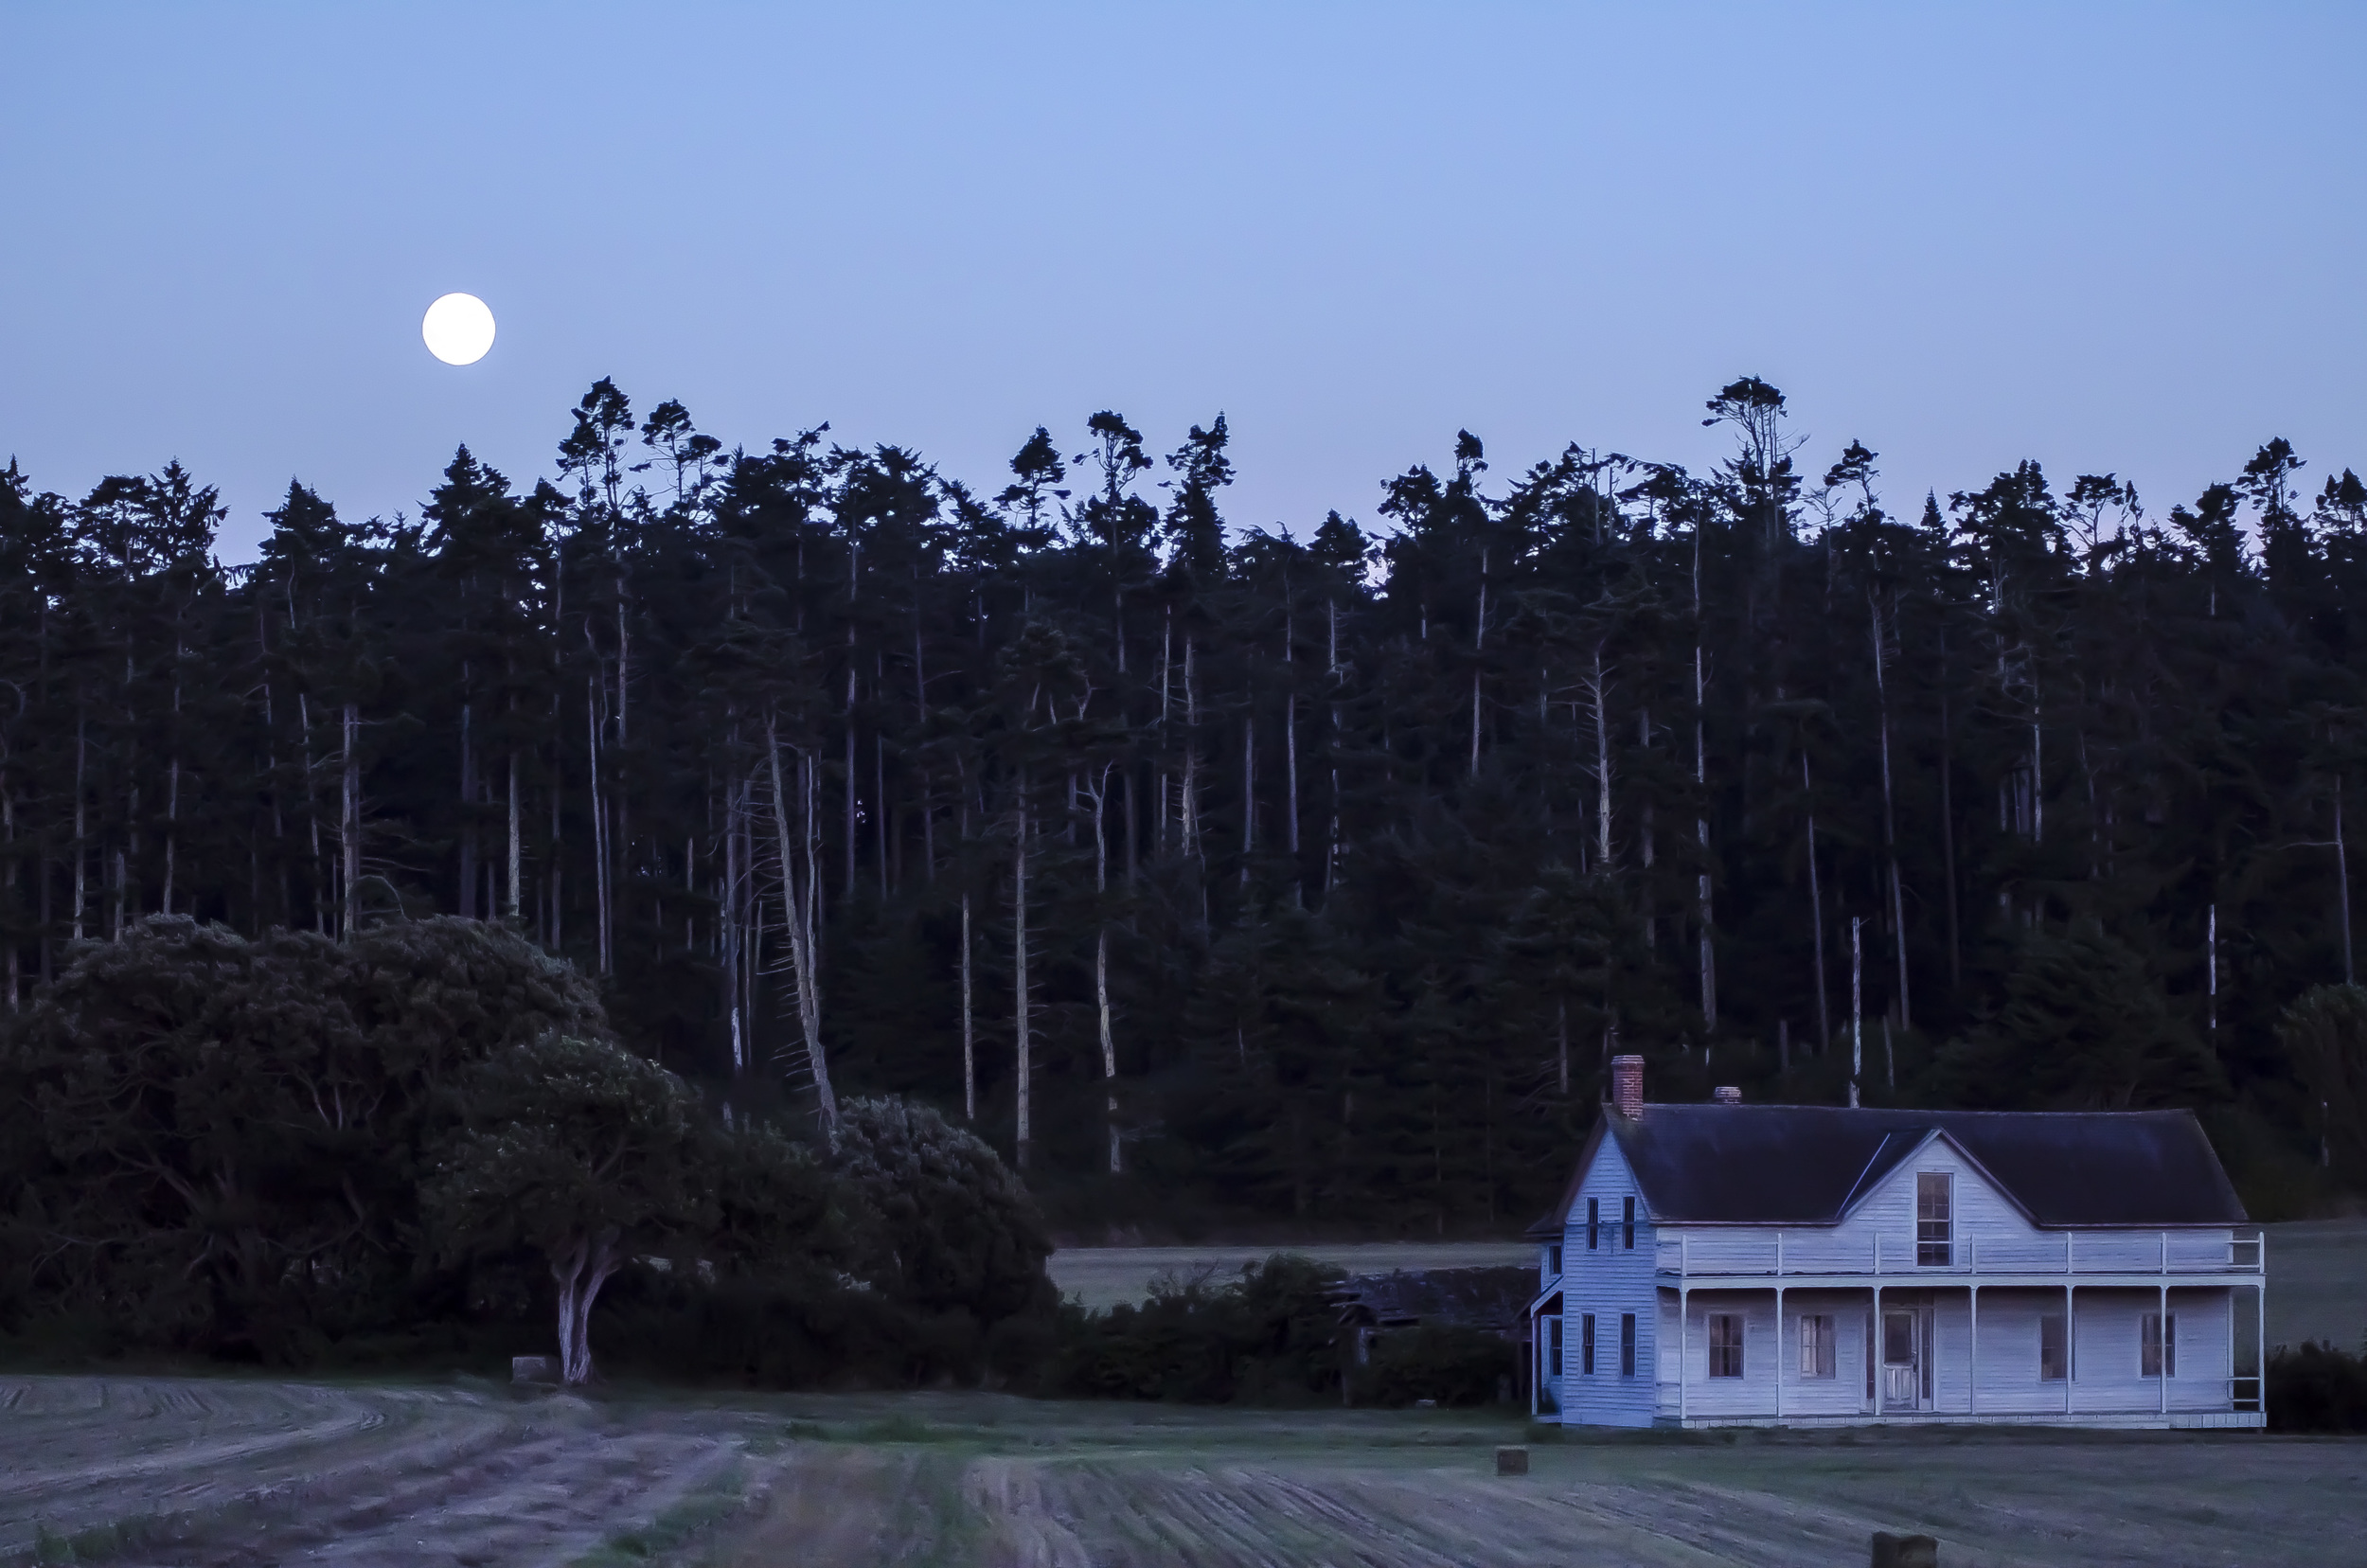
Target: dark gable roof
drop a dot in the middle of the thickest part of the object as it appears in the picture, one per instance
(1807, 1165)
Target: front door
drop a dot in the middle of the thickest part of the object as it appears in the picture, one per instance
(1902, 1358)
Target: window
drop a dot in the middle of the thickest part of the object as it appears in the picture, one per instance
(2157, 1338)
(1553, 1348)
(1628, 1219)
(1725, 1344)
(2054, 1363)
(1593, 1221)
(1935, 1217)
(1586, 1345)
(1627, 1344)
(1816, 1346)
(1554, 1262)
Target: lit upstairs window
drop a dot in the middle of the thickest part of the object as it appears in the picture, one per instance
(1935, 1219)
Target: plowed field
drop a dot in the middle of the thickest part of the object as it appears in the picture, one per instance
(212, 1473)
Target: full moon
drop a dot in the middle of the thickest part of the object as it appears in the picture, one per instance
(458, 328)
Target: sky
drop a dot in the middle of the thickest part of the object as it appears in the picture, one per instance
(2108, 238)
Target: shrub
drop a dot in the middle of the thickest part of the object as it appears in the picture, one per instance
(1453, 1366)
(1269, 1337)
(2317, 1388)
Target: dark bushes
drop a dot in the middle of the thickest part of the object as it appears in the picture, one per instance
(1453, 1366)
(1267, 1337)
(2317, 1388)
(1271, 1337)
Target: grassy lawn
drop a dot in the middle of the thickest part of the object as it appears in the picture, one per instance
(212, 1473)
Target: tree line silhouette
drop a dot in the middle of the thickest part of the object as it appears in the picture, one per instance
(1215, 872)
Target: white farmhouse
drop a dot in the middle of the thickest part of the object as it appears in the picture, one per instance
(1795, 1265)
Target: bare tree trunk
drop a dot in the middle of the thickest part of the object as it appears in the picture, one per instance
(1099, 793)
(1857, 1011)
(351, 821)
(1191, 757)
(1331, 849)
(970, 1035)
(1645, 847)
(1249, 795)
(599, 822)
(1019, 960)
(1167, 658)
(1479, 642)
(1598, 696)
(8, 831)
(1816, 911)
(1702, 838)
(82, 826)
(1561, 1045)
(2342, 880)
(1948, 824)
(728, 936)
(580, 1273)
(516, 837)
(1889, 832)
(798, 898)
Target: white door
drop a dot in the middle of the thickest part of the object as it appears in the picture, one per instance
(1902, 1358)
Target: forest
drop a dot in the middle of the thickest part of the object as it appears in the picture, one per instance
(1291, 881)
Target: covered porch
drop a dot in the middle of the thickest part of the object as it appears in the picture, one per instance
(1844, 1350)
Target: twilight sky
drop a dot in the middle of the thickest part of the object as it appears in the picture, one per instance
(2122, 237)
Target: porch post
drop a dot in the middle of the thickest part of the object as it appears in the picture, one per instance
(1972, 1359)
(1873, 1347)
(1779, 1353)
(2261, 1323)
(2071, 1343)
(1536, 1361)
(1684, 1313)
(2169, 1349)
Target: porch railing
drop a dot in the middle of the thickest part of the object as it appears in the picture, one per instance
(1745, 1254)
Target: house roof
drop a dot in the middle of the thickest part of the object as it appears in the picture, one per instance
(1809, 1165)
(1491, 1297)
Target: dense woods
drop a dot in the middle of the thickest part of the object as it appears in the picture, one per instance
(1214, 873)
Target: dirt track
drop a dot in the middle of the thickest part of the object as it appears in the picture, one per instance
(228, 1473)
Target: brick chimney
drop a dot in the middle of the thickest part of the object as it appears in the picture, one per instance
(1627, 1086)
(1726, 1094)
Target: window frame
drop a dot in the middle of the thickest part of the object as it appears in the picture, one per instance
(1593, 1222)
(2157, 1343)
(1627, 1344)
(1820, 1352)
(1726, 1338)
(1553, 1347)
(1554, 1260)
(1935, 1232)
(1586, 1345)
(1626, 1220)
(2059, 1325)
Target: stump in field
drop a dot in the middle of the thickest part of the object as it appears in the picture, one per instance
(534, 1369)
(1915, 1551)
(1512, 1461)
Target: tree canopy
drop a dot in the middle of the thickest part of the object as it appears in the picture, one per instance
(1204, 869)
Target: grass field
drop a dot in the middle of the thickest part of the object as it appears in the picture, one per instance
(223, 1473)
(2317, 1272)
(234, 1473)
(230, 1474)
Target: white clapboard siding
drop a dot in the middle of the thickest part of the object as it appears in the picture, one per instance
(1678, 1276)
(1609, 1280)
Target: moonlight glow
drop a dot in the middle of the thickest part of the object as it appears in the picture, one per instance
(458, 328)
